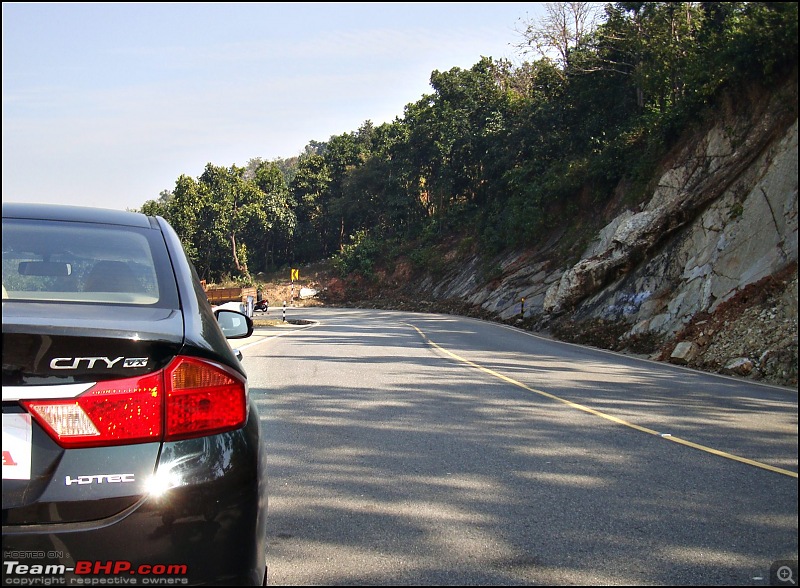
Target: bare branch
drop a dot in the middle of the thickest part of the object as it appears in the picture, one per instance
(560, 30)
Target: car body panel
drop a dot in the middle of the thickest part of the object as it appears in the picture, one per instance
(199, 503)
(210, 524)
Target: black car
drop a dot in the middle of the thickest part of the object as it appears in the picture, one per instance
(131, 447)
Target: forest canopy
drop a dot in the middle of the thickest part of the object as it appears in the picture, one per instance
(499, 152)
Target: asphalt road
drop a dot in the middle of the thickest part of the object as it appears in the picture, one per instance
(413, 449)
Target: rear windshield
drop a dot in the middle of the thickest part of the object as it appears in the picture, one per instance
(87, 263)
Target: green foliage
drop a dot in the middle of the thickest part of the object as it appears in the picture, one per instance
(736, 210)
(755, 40)
(466, 246)
(426, 259)
(491, 272)
(358, 256)
(498, 152)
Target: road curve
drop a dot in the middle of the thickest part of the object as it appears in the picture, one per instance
(408, 448)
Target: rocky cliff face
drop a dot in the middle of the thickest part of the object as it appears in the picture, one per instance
(703, 274)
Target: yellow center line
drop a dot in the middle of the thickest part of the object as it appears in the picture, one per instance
(605, 416)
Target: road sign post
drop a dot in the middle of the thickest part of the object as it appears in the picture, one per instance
(295, 276)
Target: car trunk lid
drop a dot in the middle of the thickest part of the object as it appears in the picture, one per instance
(47, 357)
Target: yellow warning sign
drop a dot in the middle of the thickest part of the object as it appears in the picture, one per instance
(295, 274)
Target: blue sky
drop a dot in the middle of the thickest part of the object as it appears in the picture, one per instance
(107, 104)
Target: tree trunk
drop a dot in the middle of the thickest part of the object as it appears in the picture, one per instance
(240, 267)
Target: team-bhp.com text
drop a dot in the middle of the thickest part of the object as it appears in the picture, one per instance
(93, 573)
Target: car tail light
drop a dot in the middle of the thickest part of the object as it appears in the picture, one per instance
(189, 398)
(202, 399)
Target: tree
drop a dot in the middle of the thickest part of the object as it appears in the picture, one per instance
(308, 190)
(272, 221)
(191, 213)
(231, 197)
(563, 28)
(502, 151)
(343, 153)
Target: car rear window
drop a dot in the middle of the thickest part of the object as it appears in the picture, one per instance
(85, 262)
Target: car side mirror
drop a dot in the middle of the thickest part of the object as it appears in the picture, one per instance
(234, 325)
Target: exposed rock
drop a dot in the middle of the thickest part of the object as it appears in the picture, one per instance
(723, 218)
(758, 237)
(684, 352)
(741, 366)
(707, 264)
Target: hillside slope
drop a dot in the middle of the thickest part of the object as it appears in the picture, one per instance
(703, 273)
